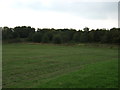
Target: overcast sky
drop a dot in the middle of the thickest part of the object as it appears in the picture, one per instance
(75, 14)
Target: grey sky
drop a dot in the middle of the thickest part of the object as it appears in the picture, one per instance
(90, 10)
(62, 13)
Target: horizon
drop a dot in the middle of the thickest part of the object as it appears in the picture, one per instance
(60, 28)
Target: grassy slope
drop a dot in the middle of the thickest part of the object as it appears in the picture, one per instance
(34, 65)
(98, 75)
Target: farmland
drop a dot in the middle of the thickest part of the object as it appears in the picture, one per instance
(33, 65)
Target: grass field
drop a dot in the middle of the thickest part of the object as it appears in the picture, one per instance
(28, 65)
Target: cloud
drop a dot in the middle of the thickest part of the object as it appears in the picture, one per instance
(58, 13)
(90, 10)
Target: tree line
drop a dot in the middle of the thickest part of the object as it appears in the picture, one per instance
(60, 36)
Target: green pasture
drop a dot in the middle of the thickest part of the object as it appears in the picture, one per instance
(30, 65)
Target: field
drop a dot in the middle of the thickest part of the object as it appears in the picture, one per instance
(28, 65)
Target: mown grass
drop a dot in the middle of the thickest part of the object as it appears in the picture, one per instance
(98, 75)
(46, 65)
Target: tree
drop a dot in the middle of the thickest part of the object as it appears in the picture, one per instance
(45, 38)
(7, 33)
(57, 39)
(58, 36)
(115, 35)
(76, 37)
(50, 35)
(23, 31)
(37, 37)
(91, 36)
(86, 29)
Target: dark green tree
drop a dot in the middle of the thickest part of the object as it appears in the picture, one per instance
(45, 38)
(57, 39)
(76, 37)
(37, 37)
(23, 31)
(7, 33)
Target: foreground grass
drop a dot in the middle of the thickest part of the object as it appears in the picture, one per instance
(98, 75)
(37, 65)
